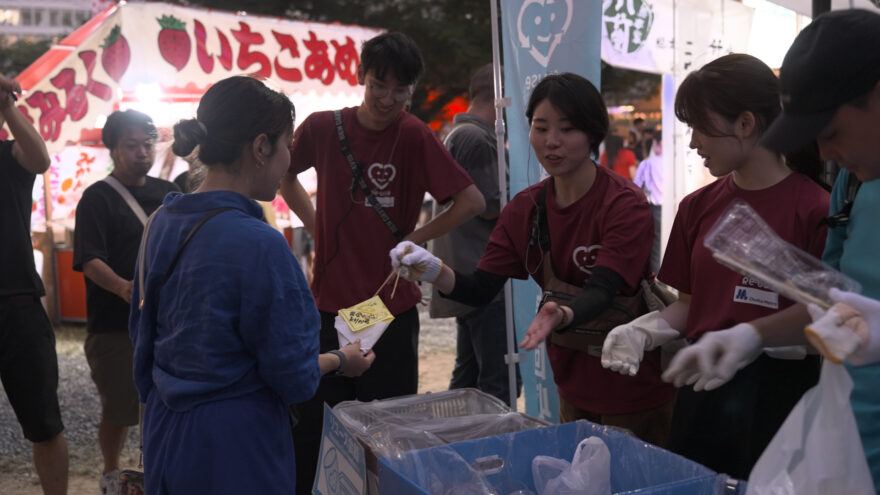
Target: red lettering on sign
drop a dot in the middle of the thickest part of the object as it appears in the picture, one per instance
(346, 60)
(318, 64)
(206, 60)
(287, 42)
(225, 57)
(99, 89)
(76, 100)
(247, 58)
(52, 114)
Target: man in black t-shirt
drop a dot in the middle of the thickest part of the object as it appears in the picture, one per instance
(109, 224)
(28, 363)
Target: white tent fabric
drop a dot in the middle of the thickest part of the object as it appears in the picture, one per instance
(805, 7)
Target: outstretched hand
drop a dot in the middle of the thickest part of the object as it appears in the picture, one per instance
(715, 358)
(549, 317)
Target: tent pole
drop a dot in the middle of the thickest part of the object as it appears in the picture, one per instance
(511, 358)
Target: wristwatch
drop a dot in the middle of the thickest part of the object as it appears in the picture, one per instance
(342, 359)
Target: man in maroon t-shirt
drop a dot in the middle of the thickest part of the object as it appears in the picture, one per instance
(399, 159)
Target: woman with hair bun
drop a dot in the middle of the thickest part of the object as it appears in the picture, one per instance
(224, 326)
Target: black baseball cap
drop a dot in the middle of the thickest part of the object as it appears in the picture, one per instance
(833, 61)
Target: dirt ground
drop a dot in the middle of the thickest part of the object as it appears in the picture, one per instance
(434, 372)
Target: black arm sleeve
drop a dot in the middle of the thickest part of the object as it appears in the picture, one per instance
(476, 289)
(599, 290)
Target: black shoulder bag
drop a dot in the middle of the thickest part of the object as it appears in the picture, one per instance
(649, 296)
(358, 174)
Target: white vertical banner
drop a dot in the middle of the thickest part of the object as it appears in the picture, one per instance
(638, 34)
(704, 31)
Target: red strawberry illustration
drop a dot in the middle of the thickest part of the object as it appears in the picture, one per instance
(174, 43)
(116, 54)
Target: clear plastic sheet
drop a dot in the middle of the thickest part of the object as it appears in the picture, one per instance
(392, 426)
(501, 465)
(742, 241)
(421, 421)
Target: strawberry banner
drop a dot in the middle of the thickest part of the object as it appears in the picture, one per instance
(177, 53)
(160, 59)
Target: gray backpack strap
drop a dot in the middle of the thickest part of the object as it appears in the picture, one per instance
(127, 197)
(447, 140)
(142, 256)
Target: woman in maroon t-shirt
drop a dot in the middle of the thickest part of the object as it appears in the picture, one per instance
(598, 234)
(728, 104)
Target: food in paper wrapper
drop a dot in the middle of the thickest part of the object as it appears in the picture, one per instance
(365, 321)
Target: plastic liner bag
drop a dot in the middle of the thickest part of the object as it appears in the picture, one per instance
(456, 478)
(817, 450)
(742, 241)
(588, 473)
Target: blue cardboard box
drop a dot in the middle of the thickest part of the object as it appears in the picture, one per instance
(505, 463)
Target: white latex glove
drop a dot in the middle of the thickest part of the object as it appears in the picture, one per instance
(414, 262)
(626, 344)
(715, 358)
(844, 331)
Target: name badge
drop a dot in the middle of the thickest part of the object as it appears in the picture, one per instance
(751, 295)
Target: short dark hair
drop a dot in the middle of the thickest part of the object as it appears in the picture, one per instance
(231, 114)
(578, 100)
(395, 53)
(482, 87)
(638, 120)
(119, 121)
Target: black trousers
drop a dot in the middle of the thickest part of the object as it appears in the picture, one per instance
(728, 428)
(395, 372)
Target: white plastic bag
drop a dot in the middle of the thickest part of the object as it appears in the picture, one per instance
(589, 472)
(817, 450)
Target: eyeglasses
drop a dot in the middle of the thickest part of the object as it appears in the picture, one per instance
(400, 93)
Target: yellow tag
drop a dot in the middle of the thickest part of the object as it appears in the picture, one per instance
(365, 314)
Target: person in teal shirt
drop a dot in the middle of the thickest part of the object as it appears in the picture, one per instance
(852, 248)
(830, 87)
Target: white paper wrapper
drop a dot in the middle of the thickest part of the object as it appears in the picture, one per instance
(369, 336)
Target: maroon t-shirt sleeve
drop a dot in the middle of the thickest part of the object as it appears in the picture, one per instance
(502, 255)
(675, 268)
(627, 237)
(302, 156)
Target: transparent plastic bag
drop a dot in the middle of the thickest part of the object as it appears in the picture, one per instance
(588, 473)
(742, 241)
(391, 426)
(817, 450)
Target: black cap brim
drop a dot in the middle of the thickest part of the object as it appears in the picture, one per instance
(792, 132)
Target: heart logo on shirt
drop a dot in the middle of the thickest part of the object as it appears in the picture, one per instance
(381, 174)
(585, 257)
